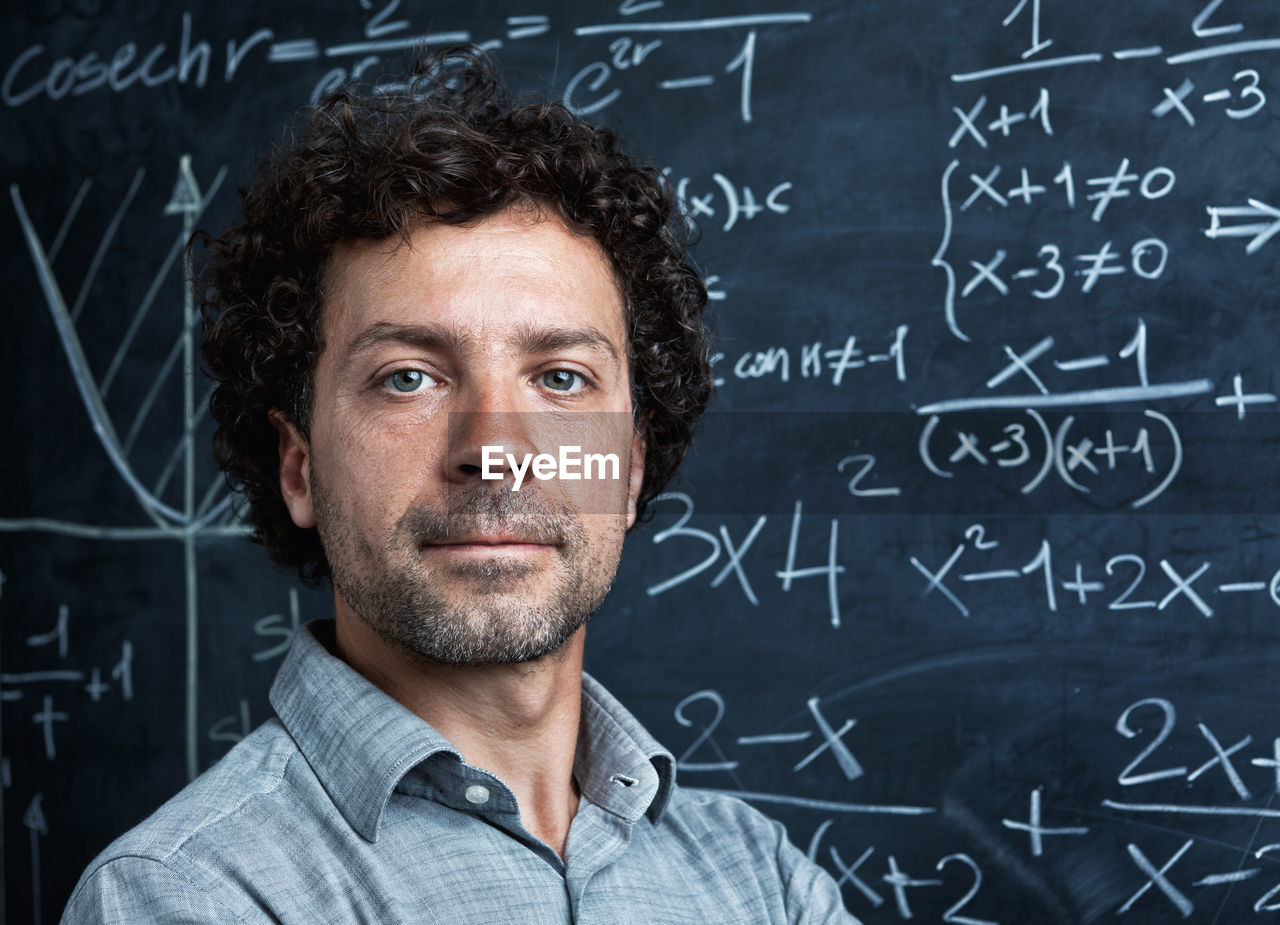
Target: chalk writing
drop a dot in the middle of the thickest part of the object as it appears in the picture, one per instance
(593, 87)
(1129, 569)
(831, 742)
(787, 575)
(738, 202)
(829, 361)
(1038, 445)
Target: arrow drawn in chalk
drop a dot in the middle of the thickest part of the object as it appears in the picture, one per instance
(34, 820)
(1262, 232)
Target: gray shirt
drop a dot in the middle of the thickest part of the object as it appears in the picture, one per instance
(348, 808)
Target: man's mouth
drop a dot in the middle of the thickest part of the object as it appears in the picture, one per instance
(487, 524)
(490, 542)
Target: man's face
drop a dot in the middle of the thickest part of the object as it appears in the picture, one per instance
(507, 333)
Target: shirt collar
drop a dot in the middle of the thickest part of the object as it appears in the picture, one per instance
(361, 743)
(619, 766)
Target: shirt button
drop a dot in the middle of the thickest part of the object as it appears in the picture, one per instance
(477, 794)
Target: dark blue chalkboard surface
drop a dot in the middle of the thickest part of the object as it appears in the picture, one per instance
(973, 579)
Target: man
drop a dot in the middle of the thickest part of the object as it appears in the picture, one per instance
(426, 292)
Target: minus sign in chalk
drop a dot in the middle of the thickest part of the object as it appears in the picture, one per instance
(702, 80)
(773, 739)
(1243, 586)
(297, 50)
(1149, 51)
(1029, 271)
(1069, 366)
(991, 576)
(1234, 877)
(1217, 95)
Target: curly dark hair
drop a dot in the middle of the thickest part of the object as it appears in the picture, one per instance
(453, 147)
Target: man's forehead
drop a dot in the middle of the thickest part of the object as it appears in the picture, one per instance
(522, 237)
(496, 268)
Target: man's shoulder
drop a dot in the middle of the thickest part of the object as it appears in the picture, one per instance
(223, 797)
(717, 805)
(736, 842)
(229, 811)
(738, 829)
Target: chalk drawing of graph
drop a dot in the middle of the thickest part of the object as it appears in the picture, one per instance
(187, 515)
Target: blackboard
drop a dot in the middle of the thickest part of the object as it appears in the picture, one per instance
(973, 579)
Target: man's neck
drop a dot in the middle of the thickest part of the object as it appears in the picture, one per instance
(518, 721)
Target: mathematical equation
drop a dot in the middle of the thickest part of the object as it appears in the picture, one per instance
(980, 558)
(1204, 25)
(119, 676)
(872, 881)
(1153, 448)
(1128, 591)
(1042, 268)
(1045, 275)
(817, 361)
(1044, 832)
(738, 202)
(37, 72)
(16, 686)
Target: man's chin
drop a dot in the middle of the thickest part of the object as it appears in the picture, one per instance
(473, 567)
(471, 641)
(498, 583)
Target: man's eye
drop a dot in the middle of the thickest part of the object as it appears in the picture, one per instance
(407, 380)
(562, 380)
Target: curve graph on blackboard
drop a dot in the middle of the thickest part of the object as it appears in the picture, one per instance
(187, 518)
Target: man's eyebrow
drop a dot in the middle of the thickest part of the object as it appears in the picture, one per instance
(538, 340)
(450, 339)
(422, 336)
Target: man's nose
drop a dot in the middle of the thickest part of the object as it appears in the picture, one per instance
(485, 432)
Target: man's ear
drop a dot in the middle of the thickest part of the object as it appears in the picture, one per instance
(295, 471)
(635, 479)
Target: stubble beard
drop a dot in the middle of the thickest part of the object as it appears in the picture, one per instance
(391, 588)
